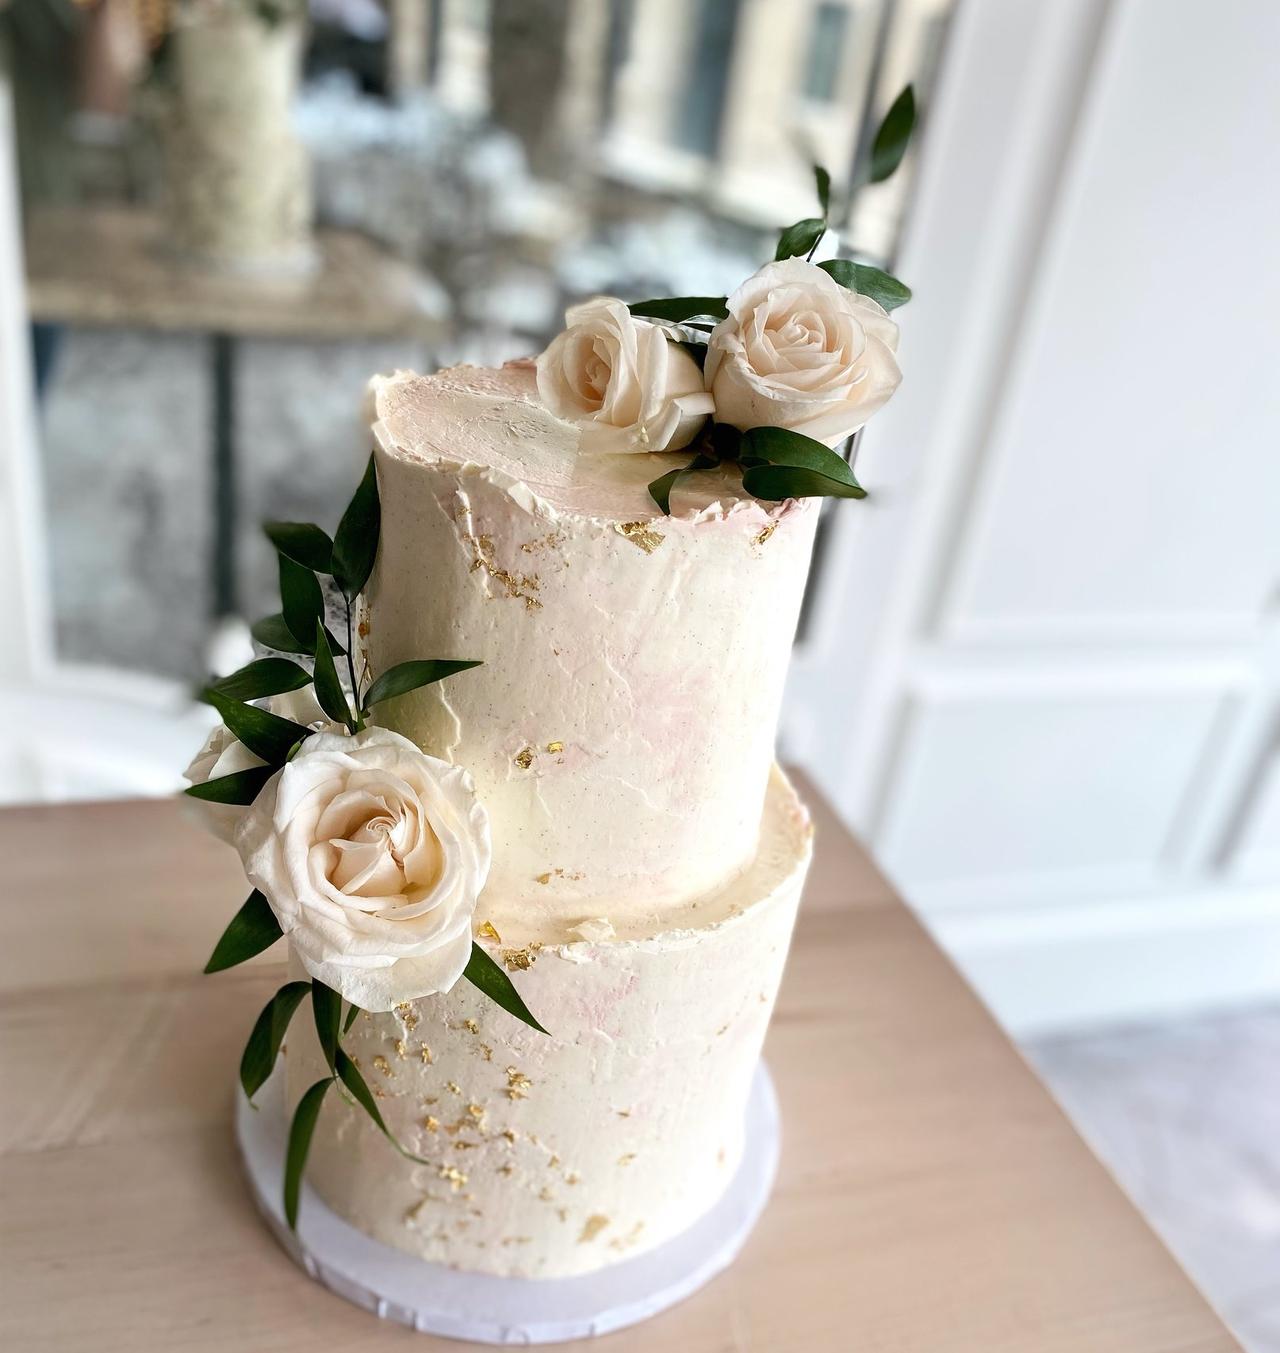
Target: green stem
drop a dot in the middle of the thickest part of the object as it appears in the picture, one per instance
(351, 669)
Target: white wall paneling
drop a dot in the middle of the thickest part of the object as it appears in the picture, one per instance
(1049, 645)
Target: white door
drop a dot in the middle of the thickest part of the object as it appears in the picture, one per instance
(1042, 668)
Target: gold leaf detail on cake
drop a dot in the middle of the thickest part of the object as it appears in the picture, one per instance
(427, 1058)
(573, 1177)
(486, 1052)
(400, 1047)
(543, 878)
(518, 1084)
(554, 747)
(431, 1123)
(488, 931)
(545, 1195)
(453, 1087)
(627, 1158)
(471, 1026)
(641, 534)
(510, 1134)
(524, 759)
(592, 1227)
(553, 1163)
(380, 1063)
(409, 1017)
(456, 1177)
(521, 960)
(518, 586)
(765, 534)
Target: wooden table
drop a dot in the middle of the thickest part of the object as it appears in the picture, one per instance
(932, 1198)
(107, 266)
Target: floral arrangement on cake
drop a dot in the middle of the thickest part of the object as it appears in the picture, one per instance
(363, 849)
(770, 378)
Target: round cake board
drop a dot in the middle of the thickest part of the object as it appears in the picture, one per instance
(486, 1309)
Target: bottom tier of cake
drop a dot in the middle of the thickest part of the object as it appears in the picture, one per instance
(553, 1156)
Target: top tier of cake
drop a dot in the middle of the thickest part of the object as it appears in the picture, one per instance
(621, 728)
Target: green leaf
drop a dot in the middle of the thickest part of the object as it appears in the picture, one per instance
(352, 1012)
(822, 181)
(301, 1131)
(410, 676)
(265, 734)
(892, 135)
(868, 281)
(800, 238)
(304, 543)
(774, 483)
(326, 1005)
(355, 544)
(349, 1074)
(680, 308)
(263, 1047)
(253, 928)
(241, 787)
(329, 692)
(261, 677)
(301, 600)
(781, 464)
(661, 488)
(482, 972)
(272, 632)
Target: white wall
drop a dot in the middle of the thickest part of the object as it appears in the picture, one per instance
(1051, 645)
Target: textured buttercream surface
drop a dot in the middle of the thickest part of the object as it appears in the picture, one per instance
(550, 1156)
(621, 728)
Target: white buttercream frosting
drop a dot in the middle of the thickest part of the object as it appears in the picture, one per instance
(550, 1156)
(621, 728)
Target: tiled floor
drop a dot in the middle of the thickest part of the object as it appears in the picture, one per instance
(1187, 1116)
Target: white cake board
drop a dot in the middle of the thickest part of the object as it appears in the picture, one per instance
(490, 1310)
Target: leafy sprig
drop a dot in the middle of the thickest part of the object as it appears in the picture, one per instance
(305, 553)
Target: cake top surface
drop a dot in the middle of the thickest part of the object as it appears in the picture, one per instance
(493, 420)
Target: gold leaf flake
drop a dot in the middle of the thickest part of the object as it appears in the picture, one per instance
(543, 878)
(553, 1163)
(517, 1080)
(427, 1058)
(487, 1052)
(380, 1063)
(765, 534)
(431, 1123)
(627, 1158)
(554, 747)
(400, 1048)
(453, 1087)
(408, 1016)
(508, 1168)
(510, 1134)
(471, 1026)
(573, 1177)
(545, 1195)
(455, 1176)
(641, 534)
(592, 1227)
(476, 1111)
(489, 931)
(519, 960)
(524, 759)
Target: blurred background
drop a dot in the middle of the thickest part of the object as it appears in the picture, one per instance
(1038, 671)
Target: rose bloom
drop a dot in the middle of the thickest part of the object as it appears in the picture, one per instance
(224, 754)
(372, 855)
(631, 387)
(800, 351)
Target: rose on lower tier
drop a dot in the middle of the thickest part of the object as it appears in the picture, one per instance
(802, 352)
(632, 388)
(372, 855)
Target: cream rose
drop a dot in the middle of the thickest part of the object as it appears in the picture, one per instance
(624, 379)
(224, 754)
(800, 351)
(372, 855)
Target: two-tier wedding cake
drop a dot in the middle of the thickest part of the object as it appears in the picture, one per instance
(538, 887)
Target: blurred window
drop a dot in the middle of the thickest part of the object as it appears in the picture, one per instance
(827, 40)
(698, 127)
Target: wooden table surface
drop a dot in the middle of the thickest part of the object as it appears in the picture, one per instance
(932, 1197)
(100, 265)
